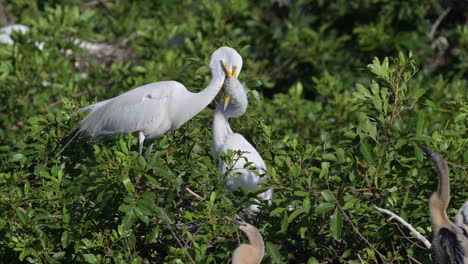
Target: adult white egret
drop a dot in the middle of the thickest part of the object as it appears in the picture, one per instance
(6, 31)
(450, 241)
(248, 253)
(152, 110)
(225, 139)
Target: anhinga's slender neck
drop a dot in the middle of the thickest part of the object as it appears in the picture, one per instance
(256, 240)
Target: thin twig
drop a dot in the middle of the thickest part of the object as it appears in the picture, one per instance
(166, 220)
(437, 22)
(410, 239)
(357, 231)
(413, 259)
(410, 227)
(92, 3)
(194, 194)
(456, 165)
(362, 261)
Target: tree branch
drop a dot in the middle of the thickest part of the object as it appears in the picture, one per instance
(357, 231)
(410, 227)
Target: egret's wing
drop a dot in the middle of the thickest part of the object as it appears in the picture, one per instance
(245, 177)
(237, 142)
(92, 107)
(142, 109)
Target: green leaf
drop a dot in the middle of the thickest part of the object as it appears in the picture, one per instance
(324, 169)
(123, 146)
(420, 123)
(90, 258)
(254, 83)
(362, 90)
(274, 252)
(26, 252)
(329, 156)
(128, 184)
(277, 211)
(300, 193)
(367, 152)
(140, 214)
(202, 70)
(295, 214)
(212, 197)
(22, 216)
(151, 237)
(328, 195)
(336, 224)
(306, 204)
(323, 208)
(284, 224)
(65, 239)
(359, 96)
(350, 204)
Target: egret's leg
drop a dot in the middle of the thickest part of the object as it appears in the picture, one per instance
(148, 151)
(141, 139)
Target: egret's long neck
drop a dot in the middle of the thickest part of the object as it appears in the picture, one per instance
(221, 127)
(194, 103)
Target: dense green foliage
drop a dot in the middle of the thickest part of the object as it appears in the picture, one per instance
(339, 93)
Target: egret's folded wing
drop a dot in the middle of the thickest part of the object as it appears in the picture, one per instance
(142, 109)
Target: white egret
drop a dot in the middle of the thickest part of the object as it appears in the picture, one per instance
(152, 110)
(6, 31)
(248, 254)
(461, 219)
(225, 139)
(450, 241)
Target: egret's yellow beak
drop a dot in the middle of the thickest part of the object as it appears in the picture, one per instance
(228, 72)
(233, 74)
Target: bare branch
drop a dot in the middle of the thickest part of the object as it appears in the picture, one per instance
(437, 22)
(410, 227)
(194, 194)
(167, 221)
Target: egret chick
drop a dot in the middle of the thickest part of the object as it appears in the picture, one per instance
(152, 110)
(252, 253)
(461, 219)
(225, 139)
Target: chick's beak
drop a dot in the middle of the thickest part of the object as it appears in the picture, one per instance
(226, 101)
(232, 74)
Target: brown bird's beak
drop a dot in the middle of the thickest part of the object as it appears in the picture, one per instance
(424, 149)
(235, 221)
(232, 74)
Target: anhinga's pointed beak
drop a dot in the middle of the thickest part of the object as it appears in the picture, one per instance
(424, 149)
(235, 221)
(232, 74)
